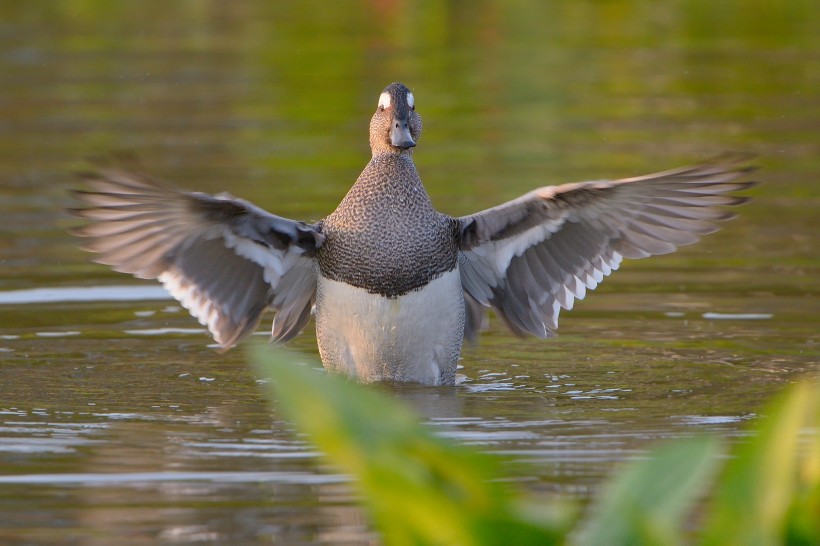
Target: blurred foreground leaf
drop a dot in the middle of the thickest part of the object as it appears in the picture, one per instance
(769, 492)
(419, 488)
(422, 489)
(803, 518)
(647, 502)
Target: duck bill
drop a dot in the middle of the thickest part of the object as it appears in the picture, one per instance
(400, 136)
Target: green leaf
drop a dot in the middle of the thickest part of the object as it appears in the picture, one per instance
(802, 526)
(647, 501)
(422, 489)
(769, 491)
(419, 488)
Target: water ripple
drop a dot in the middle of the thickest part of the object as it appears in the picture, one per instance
(139, 478)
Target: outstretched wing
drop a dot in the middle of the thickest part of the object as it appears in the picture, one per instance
(531, 256)
(223, 258)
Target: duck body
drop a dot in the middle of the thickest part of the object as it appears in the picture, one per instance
(395, 285)
(389, 301)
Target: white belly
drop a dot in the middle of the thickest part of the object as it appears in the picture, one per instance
(416, 337)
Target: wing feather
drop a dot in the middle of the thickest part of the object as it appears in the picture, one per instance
(532, 256)
(224, 259)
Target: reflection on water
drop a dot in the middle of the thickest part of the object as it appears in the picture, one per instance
(85, 293)
(140, 479)
(737, 316)
(117, 419)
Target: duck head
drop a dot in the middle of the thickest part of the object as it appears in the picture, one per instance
(395, 127)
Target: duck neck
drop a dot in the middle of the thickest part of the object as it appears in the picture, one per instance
(392, 174)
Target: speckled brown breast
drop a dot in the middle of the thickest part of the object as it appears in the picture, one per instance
(385, 236)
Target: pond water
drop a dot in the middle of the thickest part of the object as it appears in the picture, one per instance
(118, 423)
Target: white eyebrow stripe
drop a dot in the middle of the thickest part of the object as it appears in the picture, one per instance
(384, 100)
(411, 101)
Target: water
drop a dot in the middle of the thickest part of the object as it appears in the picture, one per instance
(118, 422)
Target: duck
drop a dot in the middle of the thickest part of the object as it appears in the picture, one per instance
(396, 287)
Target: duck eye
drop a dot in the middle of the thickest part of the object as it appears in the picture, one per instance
(384, 101)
